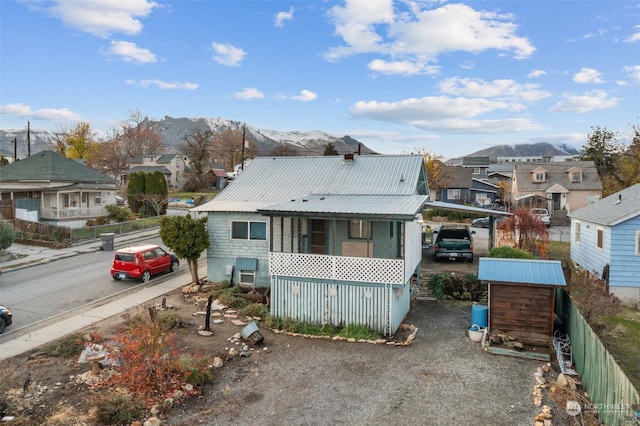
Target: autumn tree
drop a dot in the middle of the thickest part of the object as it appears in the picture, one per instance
(196, 146)
(528, 232)
(626, 165)
(136, 137)
(107, 156)
(79, 140)
(601, 148)
(283, 150)
(437, 175)
(226, 148)
(187, 238)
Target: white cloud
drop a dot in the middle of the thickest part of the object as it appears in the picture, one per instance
(504, 89)
(281, 17)
(163, 84)
(305, 96)
(420, 35)
(46, 114)
(227, 54)
(536, 73)
(634, 72)
(441, 113)
(129, 52)
(103, 17)
(635, 37)
(402, 67)
(590, 101)
(588, 75)
(249, 93)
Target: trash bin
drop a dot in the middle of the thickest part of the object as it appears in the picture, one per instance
(107, 241)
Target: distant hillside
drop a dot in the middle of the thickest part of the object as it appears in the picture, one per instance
(173, 130)
(525, 150)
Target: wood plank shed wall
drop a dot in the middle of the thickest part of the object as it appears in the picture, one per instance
(522, 311)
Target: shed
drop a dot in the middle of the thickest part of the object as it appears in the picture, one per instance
(522, 297)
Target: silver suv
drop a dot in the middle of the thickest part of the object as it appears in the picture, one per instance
(542, 215)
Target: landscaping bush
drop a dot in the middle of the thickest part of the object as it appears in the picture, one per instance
(458, 287)
(510, 253)
(117, 409)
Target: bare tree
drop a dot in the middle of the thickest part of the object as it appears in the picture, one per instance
(196, 146)
(136, 137)
(227, 148)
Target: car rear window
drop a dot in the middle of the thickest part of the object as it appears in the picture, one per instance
(125, 257)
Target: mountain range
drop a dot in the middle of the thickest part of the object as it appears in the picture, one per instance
(173, 130)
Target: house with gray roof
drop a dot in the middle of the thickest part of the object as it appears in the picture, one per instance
(605, 240)
(558, 187)
(335, 240)
(173, 166)
(50, 188)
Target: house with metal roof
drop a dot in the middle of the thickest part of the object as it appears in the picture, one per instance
(605, 240)
(559, 187)
(336, 239)
(521, 297)
(50, 188)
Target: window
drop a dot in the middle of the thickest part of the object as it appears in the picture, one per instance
(576, 233)
(477, 170)
(249, 230)
(637, 243)
(538, 177)
(599, 237)
(360, 229)
(97, 200)
(247, 269)
(576, 177)
(453, 194)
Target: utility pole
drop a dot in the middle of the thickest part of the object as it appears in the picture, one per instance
(28, 139)
(243, 143)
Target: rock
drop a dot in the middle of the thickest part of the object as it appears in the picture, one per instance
(546, 409)
(152, 421)
(177, 395)
(233, 351)
(205, 333)
(562, 380)
(187, 387)
(217, 362)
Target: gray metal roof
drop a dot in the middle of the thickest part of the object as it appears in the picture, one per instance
(268, 181)
(611, 210)
(392, 206)
(441, 205)
(521, 271)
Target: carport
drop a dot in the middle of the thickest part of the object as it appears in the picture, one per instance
(493, 214)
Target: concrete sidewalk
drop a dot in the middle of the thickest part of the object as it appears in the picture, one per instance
(67, 323)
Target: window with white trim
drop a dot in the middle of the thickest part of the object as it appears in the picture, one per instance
(360, 229)
(453, 194)
(248, 230)
(538, 177)
(599, 237)
(97, 200)
(637, 243)
(576, 232)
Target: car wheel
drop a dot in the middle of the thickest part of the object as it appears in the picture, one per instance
(146, 276)
(2, 325)
(174, 266)
(115, 277)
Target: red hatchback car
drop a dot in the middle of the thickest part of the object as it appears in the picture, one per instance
(142, 261)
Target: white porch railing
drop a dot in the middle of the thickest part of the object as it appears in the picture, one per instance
(71, 212)
(343, 268)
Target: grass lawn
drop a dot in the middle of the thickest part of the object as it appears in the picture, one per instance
(622, 340)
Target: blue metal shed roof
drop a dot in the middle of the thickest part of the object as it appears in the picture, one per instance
(524, 271)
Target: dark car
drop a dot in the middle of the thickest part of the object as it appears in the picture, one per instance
(142, 261)
(5, 318)
(481, 222)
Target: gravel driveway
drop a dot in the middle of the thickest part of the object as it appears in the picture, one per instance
(441, 379)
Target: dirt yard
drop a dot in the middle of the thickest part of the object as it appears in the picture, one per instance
(441, 378)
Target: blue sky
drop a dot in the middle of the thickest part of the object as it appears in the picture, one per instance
(446, 77)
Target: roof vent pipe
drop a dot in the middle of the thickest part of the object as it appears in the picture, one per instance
(619, 199)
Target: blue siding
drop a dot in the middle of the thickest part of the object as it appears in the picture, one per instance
(618, 251)
(223, 251)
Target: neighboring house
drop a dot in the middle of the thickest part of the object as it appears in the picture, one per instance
(477, 165)
(564, 186)
(483, 193)
(337, 240)
(126, 174)
(456, 186)
(175, 164)
(6, 157)
(220, 177)
(50, 188)
(605, 240)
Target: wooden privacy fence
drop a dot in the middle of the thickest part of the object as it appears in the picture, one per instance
(610, 390)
